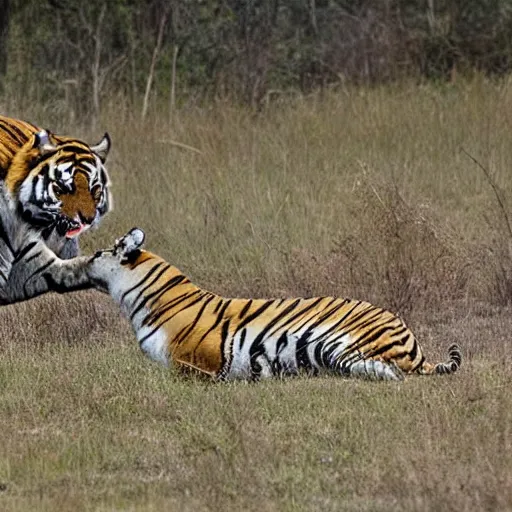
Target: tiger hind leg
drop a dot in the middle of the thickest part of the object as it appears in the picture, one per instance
(372, 369)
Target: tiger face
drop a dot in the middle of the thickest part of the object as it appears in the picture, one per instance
(61, 183)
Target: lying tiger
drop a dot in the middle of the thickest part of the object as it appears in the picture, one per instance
(254, 338)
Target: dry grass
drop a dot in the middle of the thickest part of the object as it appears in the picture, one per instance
(361, 193)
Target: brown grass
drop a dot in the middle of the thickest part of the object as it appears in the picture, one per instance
(363, 193)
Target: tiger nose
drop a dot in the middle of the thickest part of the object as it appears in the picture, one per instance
(85, 219)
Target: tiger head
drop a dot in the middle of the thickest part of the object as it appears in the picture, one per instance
(118, 268)
(59, 182)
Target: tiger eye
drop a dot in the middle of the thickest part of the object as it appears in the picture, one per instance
(58, 190)
(96, 193)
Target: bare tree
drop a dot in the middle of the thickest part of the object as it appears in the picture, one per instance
(4, 34)
(96, 64)
(100, 67)
(156, 51)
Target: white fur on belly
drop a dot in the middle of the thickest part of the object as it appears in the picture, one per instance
(155, 346)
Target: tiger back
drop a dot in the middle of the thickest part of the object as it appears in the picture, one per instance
(254, 338)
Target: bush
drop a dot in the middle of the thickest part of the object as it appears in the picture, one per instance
(399, 257)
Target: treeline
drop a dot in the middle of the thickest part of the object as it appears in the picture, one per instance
(80, 51)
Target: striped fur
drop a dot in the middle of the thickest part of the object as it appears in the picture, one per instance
(52, 188)
(28, 267)
(254, 338)
(58, 185)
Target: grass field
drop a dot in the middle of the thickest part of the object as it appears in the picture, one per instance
(359, 193)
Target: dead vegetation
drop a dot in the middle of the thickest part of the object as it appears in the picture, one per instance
(364, 194)
(397, 256)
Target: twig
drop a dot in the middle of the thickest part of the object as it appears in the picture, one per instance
(172, 99)
(495, 189)
(180, 145)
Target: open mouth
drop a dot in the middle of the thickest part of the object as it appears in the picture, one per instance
(75, 229)
(70, 228)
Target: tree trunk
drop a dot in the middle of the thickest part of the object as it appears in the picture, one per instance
(95, 69)
(151, 73)
(4, 34)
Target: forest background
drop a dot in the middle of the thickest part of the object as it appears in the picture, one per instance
(81, 53)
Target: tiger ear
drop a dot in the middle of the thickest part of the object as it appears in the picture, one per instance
(102, 148)
(130, 244)
(42, 142)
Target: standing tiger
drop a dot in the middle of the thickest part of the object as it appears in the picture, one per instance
(254, 338)
(52, 189)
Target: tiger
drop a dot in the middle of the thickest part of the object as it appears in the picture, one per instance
(250, 339)
(52, 189)
(58, 185)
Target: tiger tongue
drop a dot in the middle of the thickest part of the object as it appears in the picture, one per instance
(75, 231)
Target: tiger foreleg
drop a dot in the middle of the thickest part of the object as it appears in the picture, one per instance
(70, 249)
(65, 248)
(39, 271)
